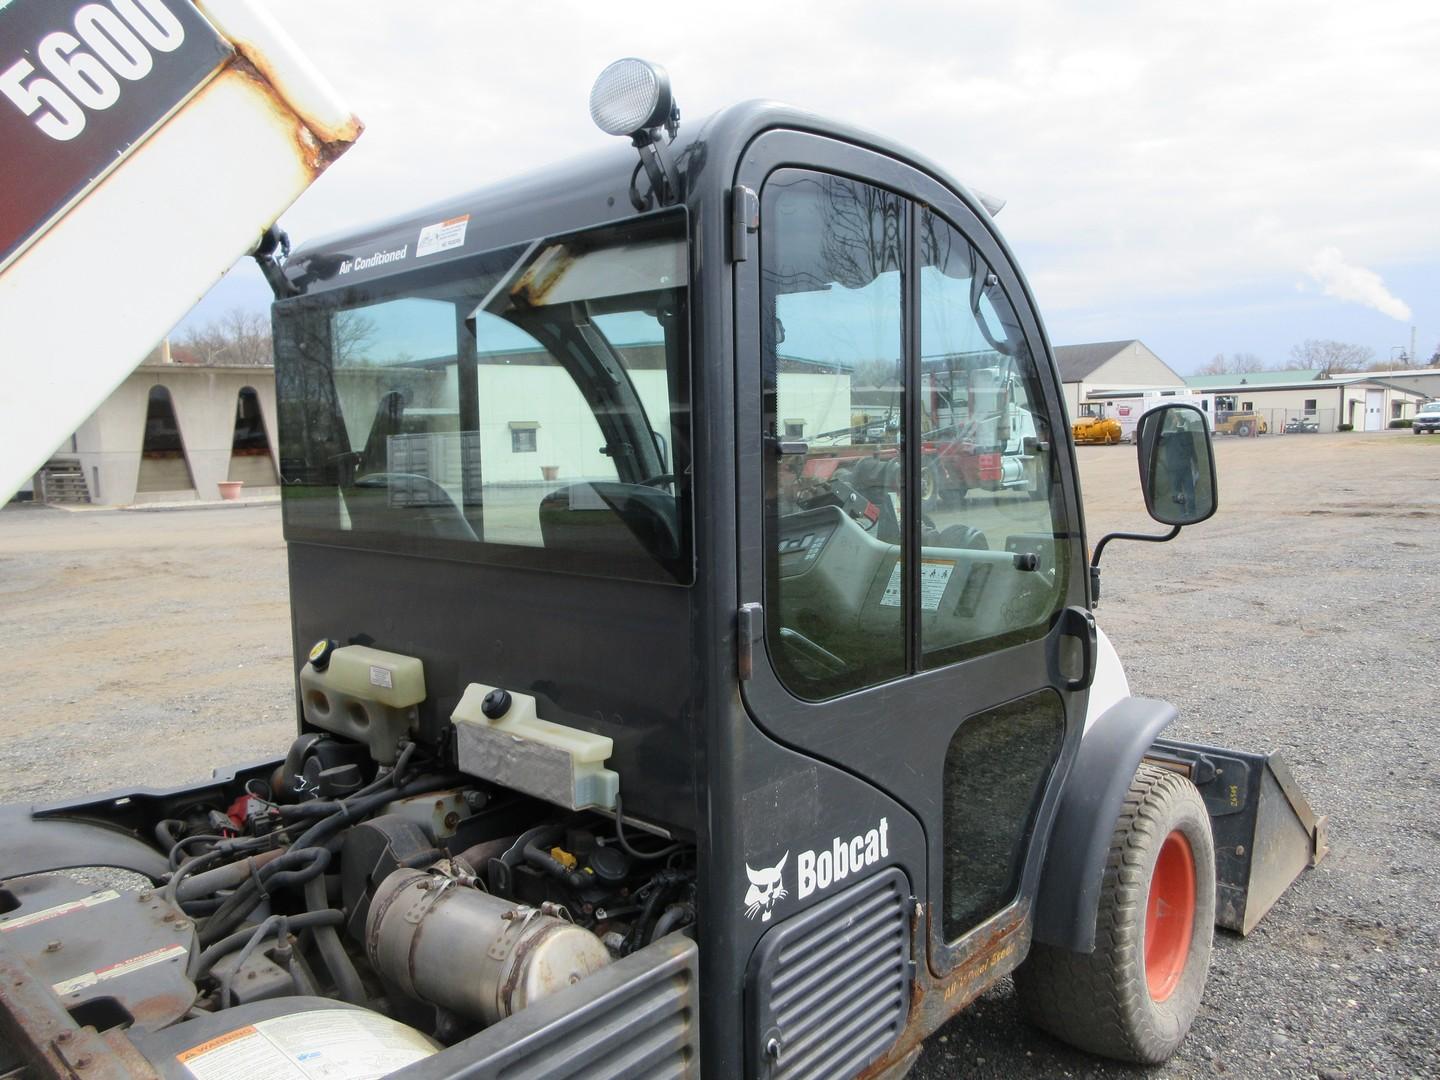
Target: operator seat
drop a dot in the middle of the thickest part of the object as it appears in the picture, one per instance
(608, 517)
(405, 504)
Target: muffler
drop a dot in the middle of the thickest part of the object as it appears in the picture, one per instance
(1266, 833)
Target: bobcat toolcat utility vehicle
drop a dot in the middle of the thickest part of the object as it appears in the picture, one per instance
(629, 746)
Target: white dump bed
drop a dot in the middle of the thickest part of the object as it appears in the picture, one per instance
(145, 146)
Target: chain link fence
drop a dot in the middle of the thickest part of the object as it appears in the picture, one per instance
(1249, 423)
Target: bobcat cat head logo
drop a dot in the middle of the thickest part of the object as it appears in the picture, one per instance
(766, 886)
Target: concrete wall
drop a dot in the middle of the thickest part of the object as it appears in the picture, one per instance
(109, 443)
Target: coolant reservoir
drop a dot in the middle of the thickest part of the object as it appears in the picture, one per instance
(478, 955)
(363, 694)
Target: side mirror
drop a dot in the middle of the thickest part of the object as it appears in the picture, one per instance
(1177, 465)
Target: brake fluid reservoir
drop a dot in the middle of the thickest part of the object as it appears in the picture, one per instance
(476, 954)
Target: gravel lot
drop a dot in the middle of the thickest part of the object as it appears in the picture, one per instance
(145, 647)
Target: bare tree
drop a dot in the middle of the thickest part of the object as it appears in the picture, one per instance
(350, 335)
(1241, 363)
(239, 338)
(1330, 357)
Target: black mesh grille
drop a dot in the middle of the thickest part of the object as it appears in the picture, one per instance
(831, 987)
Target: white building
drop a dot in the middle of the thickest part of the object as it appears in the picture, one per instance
(1111, 365)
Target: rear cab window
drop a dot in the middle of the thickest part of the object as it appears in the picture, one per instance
(530, 406)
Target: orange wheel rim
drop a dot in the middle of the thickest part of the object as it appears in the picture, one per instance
(1169, 916)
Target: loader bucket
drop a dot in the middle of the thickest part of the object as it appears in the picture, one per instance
(1266, 834)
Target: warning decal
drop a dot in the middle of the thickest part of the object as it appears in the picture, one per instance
(934, 576)
(124, 967)
(442, 236)
(58, 910)
(326, 1044)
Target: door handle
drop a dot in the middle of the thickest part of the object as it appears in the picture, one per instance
(1076, 623)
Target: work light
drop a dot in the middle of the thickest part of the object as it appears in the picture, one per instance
(632, 97)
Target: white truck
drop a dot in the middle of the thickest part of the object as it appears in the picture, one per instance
(1128, 410)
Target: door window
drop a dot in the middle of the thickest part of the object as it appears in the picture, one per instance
(994, 554)
(833, 252)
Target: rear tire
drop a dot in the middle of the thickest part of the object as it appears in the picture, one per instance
(1135, 997)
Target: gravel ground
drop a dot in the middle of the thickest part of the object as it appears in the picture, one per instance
(143, 648)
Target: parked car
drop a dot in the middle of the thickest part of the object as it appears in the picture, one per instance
(1302, 425)
(1427, 419)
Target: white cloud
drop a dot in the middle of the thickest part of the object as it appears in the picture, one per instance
(1356, 284)
(1147, 152)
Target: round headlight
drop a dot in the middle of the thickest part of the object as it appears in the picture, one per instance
(630, 96)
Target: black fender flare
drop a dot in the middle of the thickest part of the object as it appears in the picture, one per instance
(1110, 752)
(38, 845)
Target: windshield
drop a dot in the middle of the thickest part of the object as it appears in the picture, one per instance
(529, 405)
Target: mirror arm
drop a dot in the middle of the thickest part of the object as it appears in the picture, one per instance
(1100, 548)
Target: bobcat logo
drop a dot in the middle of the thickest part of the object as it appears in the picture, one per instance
(766, 886)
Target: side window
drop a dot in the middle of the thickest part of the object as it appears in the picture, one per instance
(994, 555)
(992, 540)
(832, 250)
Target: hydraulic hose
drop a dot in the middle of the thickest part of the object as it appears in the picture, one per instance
(228, 876)
(344, 812)
(625, 844)
(673, 917)
(202, 962)
(537, 856)
(293, 867)
(332, 951)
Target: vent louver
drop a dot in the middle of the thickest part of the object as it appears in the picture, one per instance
(830, 989)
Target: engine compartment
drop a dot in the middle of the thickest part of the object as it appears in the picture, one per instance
(372, 884)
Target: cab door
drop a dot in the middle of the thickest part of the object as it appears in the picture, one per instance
(908, 516)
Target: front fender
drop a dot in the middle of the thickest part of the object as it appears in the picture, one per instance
(1110, 752)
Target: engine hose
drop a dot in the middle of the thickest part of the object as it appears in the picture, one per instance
(190, 866)
(319, 859)
(292, 867)
(244, 899)
(165, 835)
(201, 962)
(281, 926)
(537, 856)
(322, 807)
(347, 811)
(673, 917)
(660, 884)
(332, 951)
(225, 877)
(625, 844)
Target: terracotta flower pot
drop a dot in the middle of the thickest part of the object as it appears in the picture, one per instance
(230, 489)
(549, 472)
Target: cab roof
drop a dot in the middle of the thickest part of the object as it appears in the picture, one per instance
(585, 191)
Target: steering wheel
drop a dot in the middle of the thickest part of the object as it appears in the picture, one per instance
(658, 480)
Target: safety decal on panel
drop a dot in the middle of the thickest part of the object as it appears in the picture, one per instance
(124, 967)
(58, 910)
(329, 1044)
(934, 576)
(442, 236)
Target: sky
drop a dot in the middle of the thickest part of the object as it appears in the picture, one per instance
(1209, 178)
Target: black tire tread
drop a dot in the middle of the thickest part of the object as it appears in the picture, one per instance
(1088, 1000)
